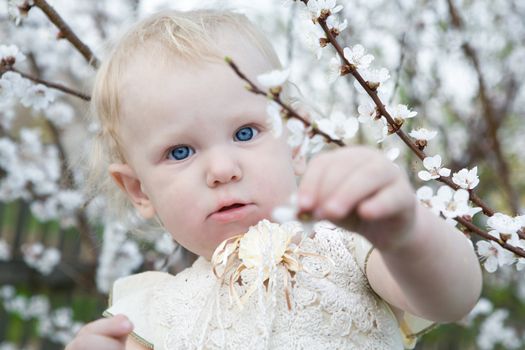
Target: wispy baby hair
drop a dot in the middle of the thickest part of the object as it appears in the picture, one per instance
(180, 37)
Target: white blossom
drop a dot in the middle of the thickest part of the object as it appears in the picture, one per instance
(273, 78)
(334, 68)
(451, 203)
(433, 165)
(11, 53)
(274, 120)
(15, 9)
(521, 220)
(38, 306)
(423, 134)
(7, 292)
(6, 90)
(367, 112)
(17, 304)
(165, 244)
(482, 307)
(400, 112)
(473, 211)
(467, 179)
(492, 331)
(18, 84)
(312, 145)
(297, 132)
(425, 194)
(38, 97)
(517, 242)
(339, 126)
(7, 115)
(28, 162)
(297, 136)
(288, 3)
(375, 77)
(288, 212)
(392, 153)
(357, 57)
(8, 152)
(119, 256)
(504, 224)
(520, 264)
(5, 345)
(312, 36)
(333, 23)
(5, 250)
(62, 328)
(62, 205)
(41, 258)
(315, 7)
(61, 114)
(494, 255)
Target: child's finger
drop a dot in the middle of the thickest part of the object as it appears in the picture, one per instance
(115, 327)
(307, 192)
(330, 182)
(357, 187)
(95, 341)
(386, 203)
(325, 165)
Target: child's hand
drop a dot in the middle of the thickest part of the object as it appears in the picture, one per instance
(104, 334)
(361, 190)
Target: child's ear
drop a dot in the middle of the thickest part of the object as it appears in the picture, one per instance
(125, 177)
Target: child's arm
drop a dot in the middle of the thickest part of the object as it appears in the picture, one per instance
(105, 334)
(422, 264)
(436, 275)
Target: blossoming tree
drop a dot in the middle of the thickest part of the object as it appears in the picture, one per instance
(435, 85)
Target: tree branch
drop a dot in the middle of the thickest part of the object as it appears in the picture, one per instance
(51, 85)
(66, 32)
(466, 222)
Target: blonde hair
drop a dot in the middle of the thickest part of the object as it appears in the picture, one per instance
(188, 36)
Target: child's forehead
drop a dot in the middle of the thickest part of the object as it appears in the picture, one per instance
(167, 90)
(155, 68)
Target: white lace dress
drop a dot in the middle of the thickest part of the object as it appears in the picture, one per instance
(192, 310)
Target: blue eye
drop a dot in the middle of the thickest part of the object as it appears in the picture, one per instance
(245, 133)
(180, 152)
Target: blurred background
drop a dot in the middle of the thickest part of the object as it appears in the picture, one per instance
(458, 63)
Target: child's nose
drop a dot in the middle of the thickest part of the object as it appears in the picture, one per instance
(222, 170)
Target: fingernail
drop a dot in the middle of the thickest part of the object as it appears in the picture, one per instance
(305, 201)
(334, 208)
(126, 325)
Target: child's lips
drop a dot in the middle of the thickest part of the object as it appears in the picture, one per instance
(232, 213)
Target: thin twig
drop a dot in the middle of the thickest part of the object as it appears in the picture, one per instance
(66, 32)
(290, 112)
(397, 129)
(372, 93)
(49, 84)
